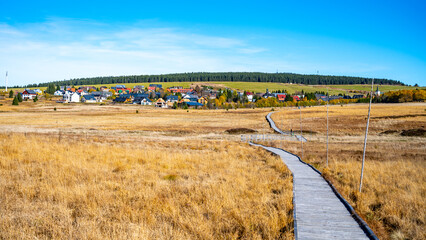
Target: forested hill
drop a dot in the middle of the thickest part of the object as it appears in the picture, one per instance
(225, 76)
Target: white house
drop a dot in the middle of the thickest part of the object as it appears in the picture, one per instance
(378, 92)
(88, 99)
(71, 97)
(28, 94)
(146, 101)
(58, 93)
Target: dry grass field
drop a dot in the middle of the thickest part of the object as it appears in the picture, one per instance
(107, 172)
(92, 171)
(393, 195)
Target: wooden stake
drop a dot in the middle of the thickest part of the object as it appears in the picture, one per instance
(365, 138)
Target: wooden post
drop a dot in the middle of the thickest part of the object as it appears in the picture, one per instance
(365, 138)
(301, 138)
(282, 128)
(328, 99)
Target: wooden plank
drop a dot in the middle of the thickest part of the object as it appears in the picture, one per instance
(319, 214)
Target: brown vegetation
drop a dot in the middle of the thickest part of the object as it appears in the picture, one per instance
(393, 195)
(96, 174)
(106, 172)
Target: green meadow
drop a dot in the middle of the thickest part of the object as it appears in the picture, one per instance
(262, 86)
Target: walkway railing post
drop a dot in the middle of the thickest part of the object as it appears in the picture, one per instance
(365, 138)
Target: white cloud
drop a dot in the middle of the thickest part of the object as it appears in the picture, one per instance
(64, 49)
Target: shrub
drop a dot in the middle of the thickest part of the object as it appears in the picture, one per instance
(15, 101)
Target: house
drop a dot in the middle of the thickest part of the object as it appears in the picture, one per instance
(146, 101)
(101, 96)
(268, 94)
(82, 93)
(203, 100)
(88, 99)
(28, 94)
(138, 98)
(103, 88)
(59, 93)
(377, 92)
(321, 97)
(160, 103)
(190, 98)
(123, 98)
(172, 98)
(86, 88)
(121, 89)
(152, 87)
(180, 90)
(194, 104)
(296, 98)
(105, 95)
(335, 97)
(38, 91)
(249, 96)
(358, 96)
(71, 97)
(70, 89)
(281, 97)
(138, 89)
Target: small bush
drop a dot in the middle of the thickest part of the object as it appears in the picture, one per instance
(170, 177)
(54, 109)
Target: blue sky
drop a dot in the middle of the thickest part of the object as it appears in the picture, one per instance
(44, 41)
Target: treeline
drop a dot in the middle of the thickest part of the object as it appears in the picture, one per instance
(417, 95)
(225, 77)
(228, 100)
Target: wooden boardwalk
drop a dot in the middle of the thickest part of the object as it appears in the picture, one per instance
(276, 129)
(318, 212)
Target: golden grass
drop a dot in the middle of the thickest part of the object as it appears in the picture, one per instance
(177, 174)
(78, 117)
(120, 189)
(393, 197)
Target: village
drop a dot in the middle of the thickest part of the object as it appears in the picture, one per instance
(176, 96)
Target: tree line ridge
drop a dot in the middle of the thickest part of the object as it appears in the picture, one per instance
(308, 79)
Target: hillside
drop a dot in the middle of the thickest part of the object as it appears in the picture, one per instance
(225, 77)
(262, 86)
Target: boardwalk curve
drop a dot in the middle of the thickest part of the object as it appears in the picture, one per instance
(276, 129)
(319, 211)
